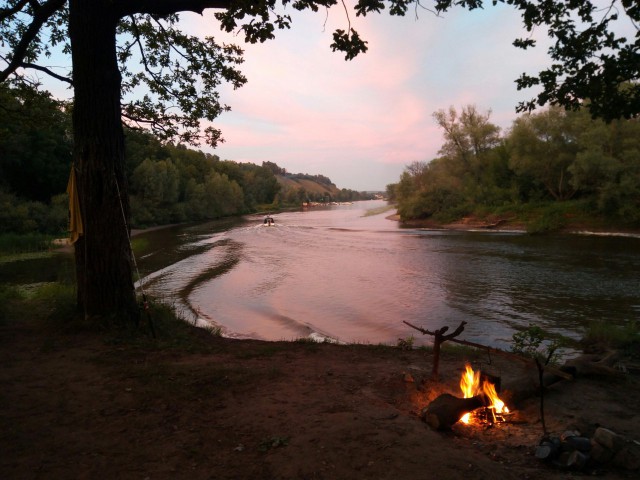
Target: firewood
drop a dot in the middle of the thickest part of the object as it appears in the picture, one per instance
(597, 365)
(443, 412)
(528, 385)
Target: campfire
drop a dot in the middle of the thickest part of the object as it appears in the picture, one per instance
(473, 384)
(480, 404)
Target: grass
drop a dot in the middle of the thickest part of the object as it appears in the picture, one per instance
(620, 337)
(11, 298)
(20, 243)
(139, 245)
(50, 303)
(379, 210)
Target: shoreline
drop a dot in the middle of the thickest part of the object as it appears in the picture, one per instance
(63, 244)
(470, 224)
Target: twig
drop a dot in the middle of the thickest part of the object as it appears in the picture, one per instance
(497, 351)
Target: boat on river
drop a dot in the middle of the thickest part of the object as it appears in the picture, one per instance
(269, 221)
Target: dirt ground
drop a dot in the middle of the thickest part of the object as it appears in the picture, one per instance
(90, 406)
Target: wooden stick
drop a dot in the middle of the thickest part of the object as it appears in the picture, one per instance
(497, 351)
(540, 377)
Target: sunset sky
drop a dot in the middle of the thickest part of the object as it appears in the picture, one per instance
(361, 122)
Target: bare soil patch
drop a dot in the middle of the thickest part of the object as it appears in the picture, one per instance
(85, 405)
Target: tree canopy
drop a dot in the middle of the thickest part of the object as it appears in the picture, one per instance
(594, 65)
(171, 78)
(545, 159)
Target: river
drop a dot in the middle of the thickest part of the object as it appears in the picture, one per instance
(348, 274)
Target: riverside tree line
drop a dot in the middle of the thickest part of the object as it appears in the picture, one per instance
(562, 163)
(167, 183)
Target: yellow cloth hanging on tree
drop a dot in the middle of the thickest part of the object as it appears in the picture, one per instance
(75, 217)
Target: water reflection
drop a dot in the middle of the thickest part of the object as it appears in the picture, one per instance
(355, 278)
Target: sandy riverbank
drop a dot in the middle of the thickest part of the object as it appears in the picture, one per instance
(506, 225)
(83, 404)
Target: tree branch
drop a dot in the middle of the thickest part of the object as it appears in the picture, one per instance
(48, 72)
(165, 7)
(489, 349)
(41, 15)
(7, 12)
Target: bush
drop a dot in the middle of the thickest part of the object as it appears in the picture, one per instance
(548, 222)
(532, 343)
(603, 335)
(13, 243)
(20, 216)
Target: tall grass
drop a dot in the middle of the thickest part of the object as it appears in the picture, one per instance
(47, 303)
(14, 243)
(622, 337)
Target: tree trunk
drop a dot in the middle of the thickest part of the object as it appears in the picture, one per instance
(103, 253)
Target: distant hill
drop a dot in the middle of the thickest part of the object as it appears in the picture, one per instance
(299, 188)
(310, 186)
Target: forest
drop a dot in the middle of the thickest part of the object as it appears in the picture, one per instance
(168, 183)
(548, 167)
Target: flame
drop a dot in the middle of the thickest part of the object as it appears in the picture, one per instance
(470, 386)
(498, 405)
(469, 382)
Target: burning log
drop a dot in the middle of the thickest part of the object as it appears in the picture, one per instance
(446, 410)
(479, 390)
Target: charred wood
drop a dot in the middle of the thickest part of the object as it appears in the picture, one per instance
(443, 412)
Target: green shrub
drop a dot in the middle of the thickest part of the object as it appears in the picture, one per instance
(606, 336)
(532, 342)
(549, 221)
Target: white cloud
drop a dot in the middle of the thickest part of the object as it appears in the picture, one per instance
(360, 122)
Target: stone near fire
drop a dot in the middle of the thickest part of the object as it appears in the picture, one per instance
(582, 444)
(577, 460)
(609, 439)
(608, 446)
(600, 454)
(629, 457)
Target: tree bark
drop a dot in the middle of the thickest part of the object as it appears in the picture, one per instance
(103, 254)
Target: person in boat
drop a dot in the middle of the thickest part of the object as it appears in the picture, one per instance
(268, 220)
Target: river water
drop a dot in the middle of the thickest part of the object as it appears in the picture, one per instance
(346, 274)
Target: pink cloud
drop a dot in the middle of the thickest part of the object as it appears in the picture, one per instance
(307, 109)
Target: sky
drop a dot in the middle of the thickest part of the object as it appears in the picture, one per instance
(361, 122)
